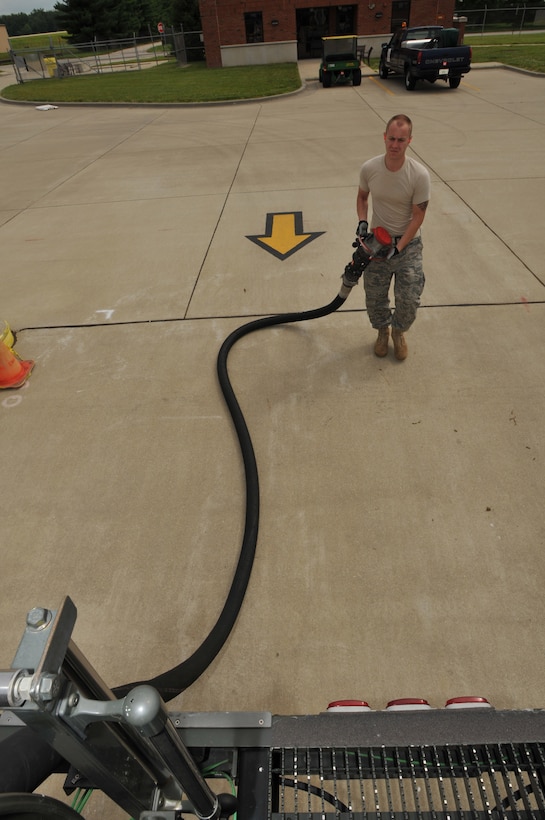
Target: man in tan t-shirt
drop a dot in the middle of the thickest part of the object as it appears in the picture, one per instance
(399, 188)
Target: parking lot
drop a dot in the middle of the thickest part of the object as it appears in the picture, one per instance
(401, 542)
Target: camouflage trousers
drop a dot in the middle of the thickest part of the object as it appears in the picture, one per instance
(408, 274)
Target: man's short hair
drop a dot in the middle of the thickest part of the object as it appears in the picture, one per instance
(401, 118)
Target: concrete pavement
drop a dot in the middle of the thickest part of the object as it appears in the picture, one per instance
(401, 546)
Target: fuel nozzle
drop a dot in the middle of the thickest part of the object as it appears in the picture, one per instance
(375, 245)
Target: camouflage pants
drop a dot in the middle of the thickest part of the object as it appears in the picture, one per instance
(406, 269)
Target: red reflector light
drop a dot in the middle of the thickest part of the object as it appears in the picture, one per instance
(349, 706)
(467, 702)
(408, 703)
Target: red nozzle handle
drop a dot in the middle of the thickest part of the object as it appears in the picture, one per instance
(382, 236)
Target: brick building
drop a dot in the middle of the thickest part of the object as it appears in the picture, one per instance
(250, 32)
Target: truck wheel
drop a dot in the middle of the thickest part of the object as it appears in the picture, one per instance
(356, 76)
(327, 79)
(410, 81)
(382, 71)
(454, 82)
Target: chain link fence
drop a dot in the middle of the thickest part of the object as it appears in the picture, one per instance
(99, 57)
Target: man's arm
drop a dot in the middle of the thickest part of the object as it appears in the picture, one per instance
(362, 204)
(419, 212)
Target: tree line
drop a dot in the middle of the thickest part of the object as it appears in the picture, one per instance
(36, 22)
(89, 20)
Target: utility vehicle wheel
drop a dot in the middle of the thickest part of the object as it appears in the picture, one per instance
(382, 71)
(356, 76)
(327, 79)
(410, 81)
(454, 82)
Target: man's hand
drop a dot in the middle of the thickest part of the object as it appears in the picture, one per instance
(362, 229)
(387, 253)
(393, 252)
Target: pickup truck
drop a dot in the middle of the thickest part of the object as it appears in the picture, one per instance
(425, 53)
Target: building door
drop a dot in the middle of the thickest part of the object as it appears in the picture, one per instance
(312, 25)
(401, 12)
(315, 23)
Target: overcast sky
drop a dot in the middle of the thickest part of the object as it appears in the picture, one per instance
(14, 6)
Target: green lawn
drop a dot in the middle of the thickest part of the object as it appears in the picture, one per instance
(527, 37)
(168, 83)
(40, 41)
(530, 57)
(526, 50)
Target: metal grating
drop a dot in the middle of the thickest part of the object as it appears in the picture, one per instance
(451, 782)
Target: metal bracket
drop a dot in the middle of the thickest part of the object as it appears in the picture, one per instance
(128, 748)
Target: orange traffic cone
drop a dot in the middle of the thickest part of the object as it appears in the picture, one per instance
(13, 371)
(6, 335)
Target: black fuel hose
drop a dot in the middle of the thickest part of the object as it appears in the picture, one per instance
(174, 681)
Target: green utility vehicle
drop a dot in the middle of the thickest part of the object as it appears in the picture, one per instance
(340, 61)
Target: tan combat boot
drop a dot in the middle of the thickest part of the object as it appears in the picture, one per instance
(381, 344)
(400, 345)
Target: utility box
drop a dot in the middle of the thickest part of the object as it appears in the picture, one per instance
(51, 66)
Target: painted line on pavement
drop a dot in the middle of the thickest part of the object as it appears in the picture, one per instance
(383, 87)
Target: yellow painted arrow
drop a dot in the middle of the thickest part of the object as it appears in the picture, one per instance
(284, 234)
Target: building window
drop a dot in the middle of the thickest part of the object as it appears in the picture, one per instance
(401, 12)
(345, 20)
(253, 21)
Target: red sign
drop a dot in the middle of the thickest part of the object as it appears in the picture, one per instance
(160, 28)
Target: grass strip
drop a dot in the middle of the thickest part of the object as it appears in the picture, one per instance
(523, 38)
(168, 83)
(530, 57)
(39, 41)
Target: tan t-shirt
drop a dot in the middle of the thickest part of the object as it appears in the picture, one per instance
(393, 193)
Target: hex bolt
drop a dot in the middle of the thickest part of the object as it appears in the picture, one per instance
(38, 618)
(49, 687)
